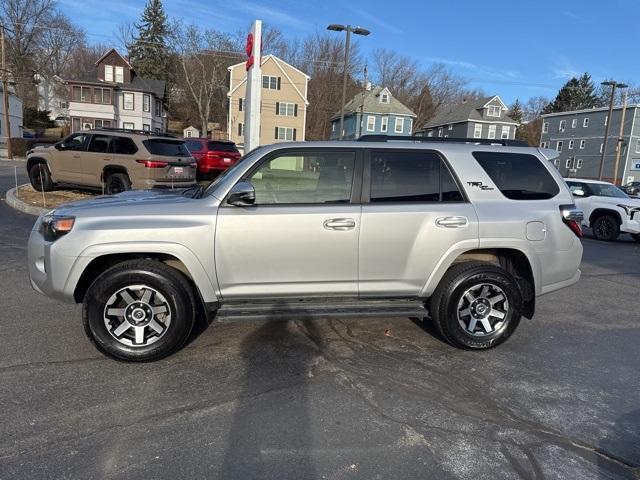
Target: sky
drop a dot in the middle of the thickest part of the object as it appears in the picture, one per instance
(512, 48)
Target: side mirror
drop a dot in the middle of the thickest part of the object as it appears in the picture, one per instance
(242, 195)
(578, 192)
(59, 146)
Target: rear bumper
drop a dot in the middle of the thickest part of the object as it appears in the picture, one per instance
(565, 283)
(149, 184)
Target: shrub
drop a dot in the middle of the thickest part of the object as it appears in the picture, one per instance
(20, 146)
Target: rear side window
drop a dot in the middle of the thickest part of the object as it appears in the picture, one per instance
(222, 147)
(519, 176)
(123, 146)
(166, 148)
(411, 176)
(99, 144)
(194, 145)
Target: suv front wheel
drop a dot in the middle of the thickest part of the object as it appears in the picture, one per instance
(40, 177)
(477, 305)
(139, 310)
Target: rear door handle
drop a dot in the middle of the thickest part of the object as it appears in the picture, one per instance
(452, 222)
(339, 224)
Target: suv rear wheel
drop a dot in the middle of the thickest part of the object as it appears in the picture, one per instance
(477, 305)
(139, 310)
(116, 183)
(606, 228)
(40, 177)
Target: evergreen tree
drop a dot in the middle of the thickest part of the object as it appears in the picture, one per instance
(148, 52)
(515, 111)
(577, 94)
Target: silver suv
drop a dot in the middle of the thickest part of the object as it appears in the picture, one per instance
(465, 232)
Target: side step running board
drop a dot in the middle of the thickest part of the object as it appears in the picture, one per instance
(292, 310)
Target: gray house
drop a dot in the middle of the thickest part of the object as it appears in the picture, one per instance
(373, 111)
(481, 118)
(579, 138)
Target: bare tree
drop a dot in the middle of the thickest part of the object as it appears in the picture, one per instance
(58, 45)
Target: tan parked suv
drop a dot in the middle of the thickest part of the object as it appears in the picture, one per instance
(114, 160)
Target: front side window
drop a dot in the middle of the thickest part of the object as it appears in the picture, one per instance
(99, 144)
(306, 178)
(411, 177)
(606, 190)
(399, 125)
(128, 101)
(519, 176)
(76, 142)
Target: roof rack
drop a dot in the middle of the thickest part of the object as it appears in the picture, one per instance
(408, 138)
(131, 130)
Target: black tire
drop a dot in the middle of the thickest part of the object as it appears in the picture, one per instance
(606, 228)
(172, 286)
(116, 183)
(636, 237)
(40, 177)
(444, 305)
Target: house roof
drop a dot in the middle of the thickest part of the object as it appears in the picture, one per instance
(157, 87)
(108, 52)
(369, 102)
(464, 112)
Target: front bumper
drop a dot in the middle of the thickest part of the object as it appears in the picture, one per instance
(631, 226)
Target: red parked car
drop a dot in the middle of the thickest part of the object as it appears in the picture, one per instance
(213, 156)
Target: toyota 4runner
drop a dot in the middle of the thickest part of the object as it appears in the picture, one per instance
(114, 160)
(466, 232)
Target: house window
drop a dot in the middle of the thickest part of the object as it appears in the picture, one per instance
(562, 126)
(98, 123)
(506, 131)
(80, 94)
(492, 131)
(158, 106)
(102, 95)
(119, 75)
(545, 127)
(440, 131)
(272, 83)
(285, 133)
(399, 125)
(430, 133)
(384, 98)
(450, 126)
(240, 104)
(574, 123)
(568, 164)
(108, 73)
(493, 111)
(75, 124)
(583, 143)
(556, 162)
(606, 120)
(371, 123)
(128, 125)
(477, 130)
(287, 109)
(579, 163)
(571, 142)
(384, 124)
(559, 146)
(585, 122)
(240, 129)
(147, 128)
(128, 102)
(146, 103)
(638, 146)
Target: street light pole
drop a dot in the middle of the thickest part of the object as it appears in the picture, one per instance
(620, 140)
(349, 29)
(613, 84)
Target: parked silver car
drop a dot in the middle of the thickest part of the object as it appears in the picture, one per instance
(467, 233)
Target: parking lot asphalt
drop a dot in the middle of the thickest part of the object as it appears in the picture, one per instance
(334, 399)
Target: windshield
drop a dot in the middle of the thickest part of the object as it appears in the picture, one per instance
(229, 171)
(604, 190)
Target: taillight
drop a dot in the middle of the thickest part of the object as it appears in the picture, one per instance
(153, 163)
(572, 218)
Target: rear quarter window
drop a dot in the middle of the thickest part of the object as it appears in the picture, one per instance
(519, 176)
(166, 148)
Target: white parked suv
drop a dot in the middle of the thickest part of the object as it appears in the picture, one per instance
(467, 232)
(607, 209)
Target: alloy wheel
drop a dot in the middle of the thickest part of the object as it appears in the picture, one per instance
(483, 309)
(137, 315)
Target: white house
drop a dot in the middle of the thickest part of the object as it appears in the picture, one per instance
(15, 117)
(50, 98)
(191, 132)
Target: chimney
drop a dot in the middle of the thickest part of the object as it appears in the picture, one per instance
(367, 86)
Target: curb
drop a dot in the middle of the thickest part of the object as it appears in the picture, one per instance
(17, 204)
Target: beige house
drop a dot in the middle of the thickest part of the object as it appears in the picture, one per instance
(283, 112)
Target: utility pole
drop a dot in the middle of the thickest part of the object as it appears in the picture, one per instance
(613, 84)
(349, 29)
(620, 139)
(5, 94)
(364, 93)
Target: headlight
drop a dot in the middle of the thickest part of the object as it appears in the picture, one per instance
(55, 226)
(628, 208)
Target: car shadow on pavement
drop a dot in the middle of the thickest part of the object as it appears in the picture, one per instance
(271, 430)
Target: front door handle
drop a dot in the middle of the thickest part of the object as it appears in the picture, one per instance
(452, 222)
(339, 224)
